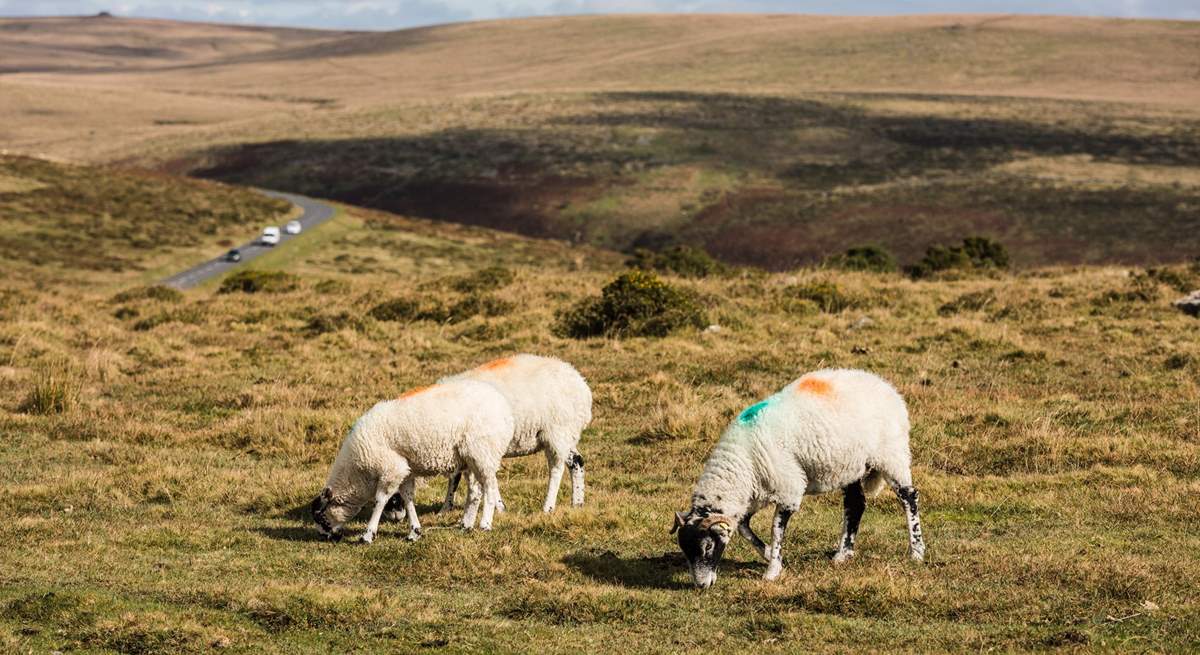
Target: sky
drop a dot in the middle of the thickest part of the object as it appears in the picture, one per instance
(394, 14)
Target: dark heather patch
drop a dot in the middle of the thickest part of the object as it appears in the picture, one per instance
(575, 461)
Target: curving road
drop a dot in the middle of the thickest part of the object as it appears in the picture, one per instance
(314, 212)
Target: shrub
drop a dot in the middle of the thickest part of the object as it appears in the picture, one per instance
(974, 253)
(259, 281)
(827, 296)
(322, 323)
(411, 309)
(968, 302)
(1180, 279)
(332, 287)
(189, 315)
(635, 304)
(864, 258)
(476, 305)
(397, 309)
(56, 390)
(684, 261)
(155, 292)
(1142, 288)
(1177, 361)
(485, 279)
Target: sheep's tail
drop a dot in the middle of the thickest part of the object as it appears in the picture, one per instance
(873, 483)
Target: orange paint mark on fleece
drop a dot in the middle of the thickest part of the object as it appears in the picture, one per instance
(413, 392)
(815, 386)
(495, 364)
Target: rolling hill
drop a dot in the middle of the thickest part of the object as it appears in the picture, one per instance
(768, 140)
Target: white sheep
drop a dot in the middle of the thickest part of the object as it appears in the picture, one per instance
(551, 404)
(828, 430)
(428, 431)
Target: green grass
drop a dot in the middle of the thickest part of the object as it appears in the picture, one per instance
(72, 219)
(1055, 441)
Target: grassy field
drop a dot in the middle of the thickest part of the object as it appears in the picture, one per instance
(159, 451)
(769, 140)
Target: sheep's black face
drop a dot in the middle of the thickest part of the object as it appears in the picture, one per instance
(702, 540)
(321, 506)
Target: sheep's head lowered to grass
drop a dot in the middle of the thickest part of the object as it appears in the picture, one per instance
(703, 538)
(331, 513)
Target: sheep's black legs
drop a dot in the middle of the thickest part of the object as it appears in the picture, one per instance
(908, 498)
(854, 502)
(451, 489)
(575, 463)
(775, 555)
(748, 534)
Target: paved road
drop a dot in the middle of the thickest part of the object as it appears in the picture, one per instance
(314, 213)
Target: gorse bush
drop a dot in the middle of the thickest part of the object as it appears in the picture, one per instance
(684, 261)
(485, 279)
(407, 310)
(873, 259)
(974, 253)
(323, 323)
(827, 296)
(259, 282)
(636, 304)
(1179, 278)
(969, 302)
(156, 292)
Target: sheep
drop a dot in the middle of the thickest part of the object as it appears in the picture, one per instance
(428, 431)
(828, 430)
(551, 404)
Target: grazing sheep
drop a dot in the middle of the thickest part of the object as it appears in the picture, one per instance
(435, 430)
(828, 430)
(551, 406)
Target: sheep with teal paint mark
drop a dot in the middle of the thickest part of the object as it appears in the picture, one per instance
(828, 430)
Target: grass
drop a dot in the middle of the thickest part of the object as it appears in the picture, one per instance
(774, 181)
(82, 219)
(160, 449)
(772, 140)
(164, 508)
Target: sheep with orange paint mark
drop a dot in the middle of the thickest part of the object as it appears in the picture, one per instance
(551, 404)
(828, 430)
(437, 430)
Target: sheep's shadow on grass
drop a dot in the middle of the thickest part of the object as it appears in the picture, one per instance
(292, 533)
(306, 530)
(645, 572)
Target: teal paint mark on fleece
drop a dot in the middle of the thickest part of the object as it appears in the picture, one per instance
(750, 413)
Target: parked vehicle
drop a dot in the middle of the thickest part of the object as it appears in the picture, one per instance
(293, 227)
(270, 236)
(234, 255)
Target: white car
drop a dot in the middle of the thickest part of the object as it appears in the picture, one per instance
(270, 236)
(293, 227)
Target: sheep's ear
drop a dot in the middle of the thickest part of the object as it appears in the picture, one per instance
(322, 499)
(680, 519)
